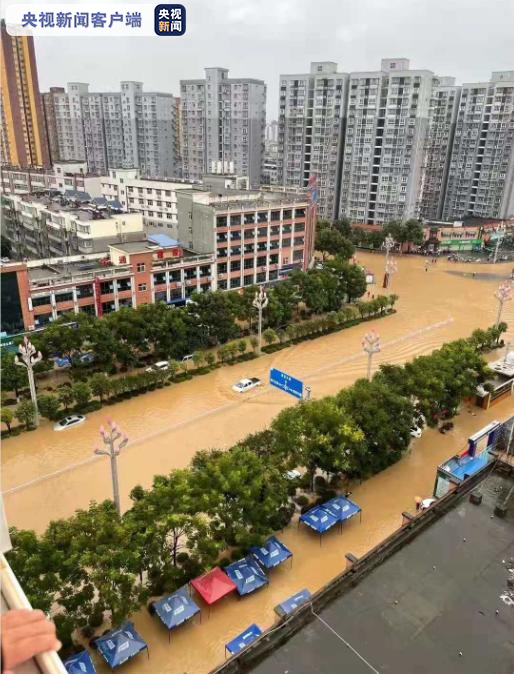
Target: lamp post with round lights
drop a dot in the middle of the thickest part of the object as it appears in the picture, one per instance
(390, 268)
(503, 294)
(260, 302)
(27, 357)
(114, 441)
(371, 345)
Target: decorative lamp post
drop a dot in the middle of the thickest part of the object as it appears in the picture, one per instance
(27, 357)
(388, 244)
(390, 268)
(371, 345)
(260, 302)
(114, 441)
(503, 294)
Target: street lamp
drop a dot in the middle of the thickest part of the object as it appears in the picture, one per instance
(371, 345)
(27, 357)
(114, 441)
(390, 268)
(260, 302)
(389, 244)
(503, 294)
(500, 233)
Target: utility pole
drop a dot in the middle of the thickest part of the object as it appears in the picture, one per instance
(27, 357)
(260, 302)
(114, 441)
(503, 294)
(371, 345)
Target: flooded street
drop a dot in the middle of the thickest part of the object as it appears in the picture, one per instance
(47, 475)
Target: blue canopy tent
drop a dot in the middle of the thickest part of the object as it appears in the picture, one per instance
(247, 575)
(243, 640)
(120, 645)
(272, 553)
(319, 519)
(175, 609)
(342, 508)
(290, 604)
(80, 664)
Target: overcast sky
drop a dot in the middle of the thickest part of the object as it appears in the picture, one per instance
(263, 38)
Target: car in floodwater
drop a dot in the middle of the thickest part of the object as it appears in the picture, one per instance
(69, 422)
(160, 366)
(244, 385)
(416, 432)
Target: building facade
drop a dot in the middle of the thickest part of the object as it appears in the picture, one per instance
(481, 172)
(386, 126)
(442, 117)
(311, 131)
(223, 120)
(62, 177)
(23, 140)
(126, 129)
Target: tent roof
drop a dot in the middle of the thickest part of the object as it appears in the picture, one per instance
(121, 644)
(213, 585)
(341, 508)
(247, 575)
(291, 603)
(244, 639)
(176, 608)
(272, 553)
(319, 519)
(80, 663)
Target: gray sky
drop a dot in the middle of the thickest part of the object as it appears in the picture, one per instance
(464, 38)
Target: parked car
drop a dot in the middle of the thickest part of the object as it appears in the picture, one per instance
(69, 422)
(160, 366)
(292, 474)
(244, 385)
(416, 432)
(188, 358)
(62, 362)
(86, 358)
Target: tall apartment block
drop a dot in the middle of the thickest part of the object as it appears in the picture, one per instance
(481, 173)
(386, 125)
(223, 120)
(23, 140)
(442, 116)
(126, 129)
(311, 130)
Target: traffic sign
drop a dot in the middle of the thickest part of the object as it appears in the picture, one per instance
(286, 383)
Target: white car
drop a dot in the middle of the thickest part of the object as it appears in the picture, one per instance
(246, 384)
(426, 503)
(69, 422)
(161, 366)
(292, 474)
(416, 432)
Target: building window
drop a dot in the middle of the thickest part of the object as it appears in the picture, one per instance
(235, 265)
(275, 215)
(141, 287)
(140, 266)
(235, 219)
(40, 301)
(288, 214)
(248, 280)
(221, 221)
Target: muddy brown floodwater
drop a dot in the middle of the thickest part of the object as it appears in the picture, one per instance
(47, 475)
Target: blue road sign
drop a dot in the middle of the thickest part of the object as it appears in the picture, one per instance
(286, 383)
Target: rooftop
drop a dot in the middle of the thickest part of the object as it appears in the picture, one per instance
(441, 604)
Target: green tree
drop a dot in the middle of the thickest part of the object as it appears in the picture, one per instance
(343, 226)
(210, 358)
(99, 385)
(13, 377)
(254, 342)
(214, 313)
(269, 336)
(173, 368)
(81, 394)
(241, 346)
(7, 417)
(26, 413)
(198, 358)
(62, 339)
(65, 395)
(49, 406)
(332, 242)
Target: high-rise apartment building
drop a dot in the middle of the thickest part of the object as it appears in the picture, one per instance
(126, 129)
(223, 120)
(386, 125)
(23, 140)
(311, 130)
(442, 116)
(481, 173)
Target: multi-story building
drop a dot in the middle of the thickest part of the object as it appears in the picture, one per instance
(481, 172)
(442, 116)
(310, 131)
(271, 133)
(126, 129)
(63, 177)
(44, 227)
(223, 119)
(386, 125)
(23, 140)
(256, 236)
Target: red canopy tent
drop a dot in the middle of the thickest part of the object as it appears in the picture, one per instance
(213, 585)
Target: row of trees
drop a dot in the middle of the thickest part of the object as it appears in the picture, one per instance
(95, 565)
(334, 238)
(79, 395)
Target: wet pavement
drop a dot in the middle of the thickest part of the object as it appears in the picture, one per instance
(47, 475)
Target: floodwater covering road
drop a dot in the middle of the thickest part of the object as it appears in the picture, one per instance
(48, 475)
